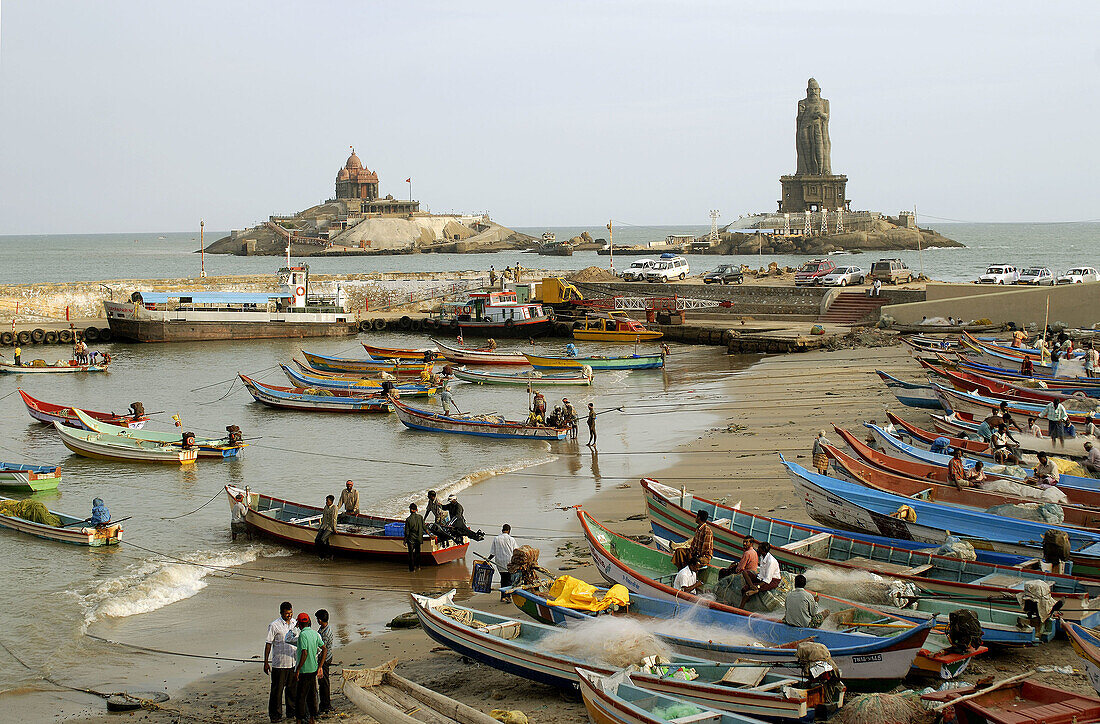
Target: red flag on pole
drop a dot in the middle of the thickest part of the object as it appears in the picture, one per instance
(408, 180)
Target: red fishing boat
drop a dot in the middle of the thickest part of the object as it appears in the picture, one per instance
(49, 412)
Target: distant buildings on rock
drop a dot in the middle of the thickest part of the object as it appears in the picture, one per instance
(357, 188)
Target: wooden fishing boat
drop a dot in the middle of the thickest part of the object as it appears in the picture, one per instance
(526, 377)
(207, 447)
(892, 653)
(615, 700)
(944, 328)
(479, 355)
(836, 502)
(29, 478)
(612, 327)
(112, 447)
(930, 344)
(1007, 350)
(893, 446)
(314, 400)
(973, 449)
(1087, 647)
(1016, 701)
(59, 367)
(301, 379)
(598, 363)
(483, 425)
(977, 499)
(971, 444)
(49, 412)
(803, 547)
(408, 375)
(401, 353)
(356, 535)
(520, 648)
(326, 363)
(1066, 368)
(388, 698)
(68, 532)
(972, 382)
(1069, 385)
(911, 394)
(954, 401)
(956, 426)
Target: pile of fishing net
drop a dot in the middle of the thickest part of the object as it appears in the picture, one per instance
(883, 709)
(611, 640)
(32, 510)
(1049, 513)
(955, 547)
(858, 585)
(1022, 490)
(525, 568)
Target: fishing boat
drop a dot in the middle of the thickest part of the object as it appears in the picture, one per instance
(418, 354)
(38, 367)
(496, 314)
(534, 378)
(314, 400)
(930, 344)
(405, 372)
(521, 648)
(612, 327)
(389, 698)
(955, 401)
(479, 355)
(836, 502)
(616, 700)
(598, 363)
(1084, 385)
(480, 425)
(224, 447)
(973, 449)
(112, 447)
(295, 309)
(972, 498)
(325, 363)
(965, 436)
(29, 478)
(1065, 368)
(944, 328)
(911, 394)
(1086, 645)
(1016, 701)
(356, 535)
(69, 529)
(301, 379)
(804, 547)
(971, 382)
(892, 654)
(49, 412)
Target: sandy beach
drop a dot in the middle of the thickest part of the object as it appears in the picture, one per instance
(774, 406)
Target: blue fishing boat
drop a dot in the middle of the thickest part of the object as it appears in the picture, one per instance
(298, 398)
(598, 363)
(479, 425)
(911, 394)
(366, 387)
(835, 502)
(526, 649)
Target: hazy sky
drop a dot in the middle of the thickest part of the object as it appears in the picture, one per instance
(146, 116)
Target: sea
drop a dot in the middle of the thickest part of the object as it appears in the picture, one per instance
(173, 577)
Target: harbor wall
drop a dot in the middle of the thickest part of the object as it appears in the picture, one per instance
(1077, 305)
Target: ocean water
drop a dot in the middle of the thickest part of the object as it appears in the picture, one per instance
(170, 571)
(60, 258)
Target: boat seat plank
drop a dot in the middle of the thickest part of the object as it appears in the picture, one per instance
(1029, 563)
(744, 675)
(917, 570)
(1001, 580)
(698, 717)
(304, 521)
(807, 542)
(777, 685)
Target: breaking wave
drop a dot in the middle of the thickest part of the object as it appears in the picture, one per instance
(159, 581)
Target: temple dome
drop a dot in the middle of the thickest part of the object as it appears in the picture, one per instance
(353, 164)
(343, 175)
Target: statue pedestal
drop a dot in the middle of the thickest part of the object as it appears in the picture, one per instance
(813, 193)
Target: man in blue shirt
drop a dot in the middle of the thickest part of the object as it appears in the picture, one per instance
(100, 514)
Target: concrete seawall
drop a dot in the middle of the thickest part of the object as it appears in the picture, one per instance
(1077, 305)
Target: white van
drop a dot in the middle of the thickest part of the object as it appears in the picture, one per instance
(637, 269)
(667, 268)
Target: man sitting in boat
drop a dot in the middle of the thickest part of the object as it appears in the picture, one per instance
(687, 579)
(800, 608)
(767, 575)
(100, 515)
(571, 350)
(1046, 473)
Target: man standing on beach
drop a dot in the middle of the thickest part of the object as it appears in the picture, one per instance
(311, 651)
(279, 655)
(591, 426)
(325, 631)
(414, 536)
(349, 500)
(326, 528)
(500, 553)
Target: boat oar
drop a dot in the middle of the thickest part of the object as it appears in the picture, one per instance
(992, 687)
(89, 520)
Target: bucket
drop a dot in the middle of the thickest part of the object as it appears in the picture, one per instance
(482, 580)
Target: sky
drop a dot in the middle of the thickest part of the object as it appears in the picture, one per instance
(149, 115)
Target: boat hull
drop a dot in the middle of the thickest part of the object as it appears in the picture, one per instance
(11, 369)
(138, 330)
(599, 364)
(479, 357)
(431, 422)
(49, 413)
(523, 378)
(592, 335)
(523, 328)
(101, 447)
(91, 536)
(298, 399)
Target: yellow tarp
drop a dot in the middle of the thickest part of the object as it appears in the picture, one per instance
(1070, 467)
(572, 592)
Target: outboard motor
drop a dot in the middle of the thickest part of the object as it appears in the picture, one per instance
(234, 435)
(188, 440)
(137, 410)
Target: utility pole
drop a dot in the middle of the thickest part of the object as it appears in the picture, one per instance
(920, 248)
(611, 244)
(202, 251)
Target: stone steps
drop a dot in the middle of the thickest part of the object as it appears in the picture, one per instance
(851, 307)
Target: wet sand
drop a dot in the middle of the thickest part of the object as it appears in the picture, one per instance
(774, 407)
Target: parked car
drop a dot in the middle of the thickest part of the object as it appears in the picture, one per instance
(1039, 275)
(813, 271)
(843, 276)
(1078, 275)
(667, 268)
(999, 274)
(637, 269)
(890, 271)
(724, 274)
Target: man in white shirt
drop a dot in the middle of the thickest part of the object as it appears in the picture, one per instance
(500, 553)
(280, 655)
(1092, 462)
(687, 580)
(1057, 416)
(767, 574)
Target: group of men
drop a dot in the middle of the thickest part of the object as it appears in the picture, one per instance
(297, 659)
(564, 415)
(448, 524)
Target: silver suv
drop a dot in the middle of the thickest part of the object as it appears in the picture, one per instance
(667, 268)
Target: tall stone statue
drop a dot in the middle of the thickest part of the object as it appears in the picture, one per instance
(812, 133)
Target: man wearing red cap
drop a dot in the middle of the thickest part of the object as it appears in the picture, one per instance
(311, 651)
